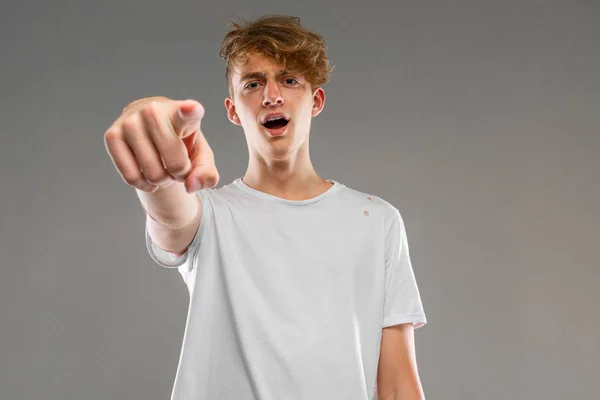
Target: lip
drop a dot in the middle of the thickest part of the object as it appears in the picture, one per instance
(277, 131)
(276, 114)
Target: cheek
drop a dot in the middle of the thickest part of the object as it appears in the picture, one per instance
(245, 114)
(306, 114)
(251, 107)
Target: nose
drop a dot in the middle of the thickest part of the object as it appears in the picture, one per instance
(272, 95)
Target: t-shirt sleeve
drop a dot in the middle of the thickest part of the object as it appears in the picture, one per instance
(402, 302)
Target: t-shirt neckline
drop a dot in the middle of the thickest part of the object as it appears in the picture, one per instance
(334, 188)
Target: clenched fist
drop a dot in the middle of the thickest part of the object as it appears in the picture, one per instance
(156, 142)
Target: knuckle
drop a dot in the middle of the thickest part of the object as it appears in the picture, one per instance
(178, 166)
(131, 178)
(150, 111)
(155, 176)
(111, 134)
(130, 125)
(211, 179)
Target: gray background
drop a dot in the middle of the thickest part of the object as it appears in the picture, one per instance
(478, 120)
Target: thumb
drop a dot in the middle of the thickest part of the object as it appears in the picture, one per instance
(204, 173)
(203, 176)
(186, 117)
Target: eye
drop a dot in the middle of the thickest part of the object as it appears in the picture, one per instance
(291, 81)
(251, 85)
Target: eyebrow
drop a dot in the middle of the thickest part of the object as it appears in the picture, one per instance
(261, 75)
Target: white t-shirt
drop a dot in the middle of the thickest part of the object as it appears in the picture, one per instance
(288, 298)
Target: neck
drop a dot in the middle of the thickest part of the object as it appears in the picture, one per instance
(292, 177)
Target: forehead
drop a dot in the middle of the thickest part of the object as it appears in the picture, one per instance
(256, 63)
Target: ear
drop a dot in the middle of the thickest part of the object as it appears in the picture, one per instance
(231, 114)
(318, 101)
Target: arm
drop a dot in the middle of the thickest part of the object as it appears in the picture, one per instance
(158, 148)
(172, 217)
(397, 375)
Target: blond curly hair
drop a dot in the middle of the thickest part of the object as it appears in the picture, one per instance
(282, 39)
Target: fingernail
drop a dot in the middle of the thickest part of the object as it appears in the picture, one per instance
(195, 186)
(187, 110)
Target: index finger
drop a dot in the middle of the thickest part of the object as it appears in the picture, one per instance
(186, 117)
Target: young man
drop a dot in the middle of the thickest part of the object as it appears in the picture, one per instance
(300, 287)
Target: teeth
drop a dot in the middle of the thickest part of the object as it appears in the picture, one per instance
(274, 118)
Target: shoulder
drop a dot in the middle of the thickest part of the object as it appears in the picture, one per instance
(226, 193)
(372, 203)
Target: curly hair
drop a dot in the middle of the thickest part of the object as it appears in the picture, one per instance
(282, 39)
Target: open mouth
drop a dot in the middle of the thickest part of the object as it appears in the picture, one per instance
(276, 123)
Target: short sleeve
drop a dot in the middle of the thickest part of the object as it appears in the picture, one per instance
(402, 303)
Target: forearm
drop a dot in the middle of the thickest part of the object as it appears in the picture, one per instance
(172, 207)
